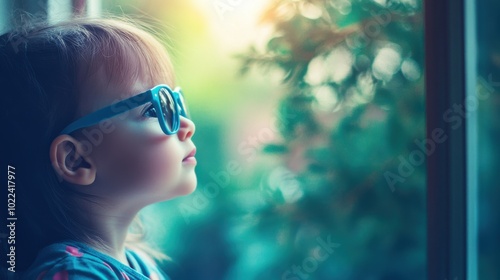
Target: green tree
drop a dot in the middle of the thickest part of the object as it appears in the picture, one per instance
(352, 169)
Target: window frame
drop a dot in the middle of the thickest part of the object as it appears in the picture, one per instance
(451, 77)
(451, 71)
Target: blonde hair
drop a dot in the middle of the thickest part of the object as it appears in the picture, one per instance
(44, 66)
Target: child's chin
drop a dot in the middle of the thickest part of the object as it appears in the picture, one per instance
(183, 189)
(187, 188)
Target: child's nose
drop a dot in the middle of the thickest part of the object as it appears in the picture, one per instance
(186, 130)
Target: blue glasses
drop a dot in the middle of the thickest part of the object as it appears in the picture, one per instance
(168, 107)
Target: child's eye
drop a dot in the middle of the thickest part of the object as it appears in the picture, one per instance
(150, 112)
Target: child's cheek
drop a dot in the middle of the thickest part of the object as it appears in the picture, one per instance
(156, 159)
(160, 169)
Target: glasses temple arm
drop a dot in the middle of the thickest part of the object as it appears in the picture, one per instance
(108, 112)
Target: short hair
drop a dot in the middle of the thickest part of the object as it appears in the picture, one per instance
(42, 69)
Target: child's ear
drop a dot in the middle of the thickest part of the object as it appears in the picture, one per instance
(70, 161)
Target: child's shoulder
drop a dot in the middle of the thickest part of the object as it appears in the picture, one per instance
(75, 260)
(66, 260)
(144, 263)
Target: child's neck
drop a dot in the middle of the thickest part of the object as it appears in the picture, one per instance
(110, 225)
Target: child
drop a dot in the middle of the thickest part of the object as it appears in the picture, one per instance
(95, 133)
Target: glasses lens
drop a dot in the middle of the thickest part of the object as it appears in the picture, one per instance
(183, 108)
(168, 107)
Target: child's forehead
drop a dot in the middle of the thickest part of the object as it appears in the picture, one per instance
(119, 65)
(98, 90)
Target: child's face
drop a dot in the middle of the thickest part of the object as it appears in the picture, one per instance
(134, 159)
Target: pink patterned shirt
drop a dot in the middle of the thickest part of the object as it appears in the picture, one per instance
(68, 260)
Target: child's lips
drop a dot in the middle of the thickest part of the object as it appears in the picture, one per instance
(190, 157)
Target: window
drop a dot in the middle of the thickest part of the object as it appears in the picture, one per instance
(380, 161)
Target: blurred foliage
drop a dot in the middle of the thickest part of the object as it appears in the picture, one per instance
(352, 109)
(488, 119)
(351, 106)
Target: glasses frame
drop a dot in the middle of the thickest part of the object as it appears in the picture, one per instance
(151, 95)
